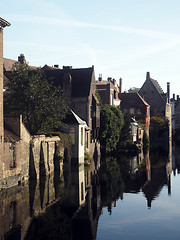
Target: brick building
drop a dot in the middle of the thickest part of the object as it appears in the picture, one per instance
(109, 91)
(136, 107)
(159, 101)
(3, 24)
(156, 98)
(176, 116)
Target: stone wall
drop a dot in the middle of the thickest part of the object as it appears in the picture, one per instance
(28, 157)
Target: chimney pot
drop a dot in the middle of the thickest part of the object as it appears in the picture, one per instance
(147, 75)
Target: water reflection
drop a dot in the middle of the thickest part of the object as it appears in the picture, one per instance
(69, 203)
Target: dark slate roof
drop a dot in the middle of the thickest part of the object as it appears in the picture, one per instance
(73, 118)
(81, 79)
(132, 97)
(4, 23)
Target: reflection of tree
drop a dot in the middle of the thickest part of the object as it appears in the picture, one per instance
(111, 181)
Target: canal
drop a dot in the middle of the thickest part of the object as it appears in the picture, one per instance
(127, 197)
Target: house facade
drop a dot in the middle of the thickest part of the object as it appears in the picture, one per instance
(77, 129)
(135, 107)
(108, 91)
(177, 119)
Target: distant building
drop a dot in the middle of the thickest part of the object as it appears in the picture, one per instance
(136, 107)
(109, 91)
(176, 116)
(156, 98)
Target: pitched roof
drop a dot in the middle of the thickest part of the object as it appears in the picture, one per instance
(4, 23)
(72, 117)
(133, 96)
(8, 64)
(81, 79)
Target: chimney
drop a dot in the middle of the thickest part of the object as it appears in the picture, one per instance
(177, 97)
(147, 75)
(56, 65)
(173, 96)
(22, 59)
(100, 77)
(168, 92)
(67, 67)
(120, 85)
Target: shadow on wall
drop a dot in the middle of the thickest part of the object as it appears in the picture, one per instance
(32, 169)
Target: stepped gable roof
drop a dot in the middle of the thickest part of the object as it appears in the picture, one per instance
(157, 86)
(81, 79)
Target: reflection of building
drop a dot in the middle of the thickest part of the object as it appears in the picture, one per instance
(78, 186)
(158, 178)
(85, 221)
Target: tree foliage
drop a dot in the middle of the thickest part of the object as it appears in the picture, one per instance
(112, 121)
(30, 94)
(158, 127)
(133, 89)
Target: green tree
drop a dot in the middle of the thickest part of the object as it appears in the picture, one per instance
(30, 94)
(133, 89)
(112, 120)
(158, 127)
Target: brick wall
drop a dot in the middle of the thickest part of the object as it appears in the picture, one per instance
(1, 103)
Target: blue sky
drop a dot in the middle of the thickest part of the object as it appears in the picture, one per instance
(121, 38)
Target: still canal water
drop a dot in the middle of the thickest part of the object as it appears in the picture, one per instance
(122, 198)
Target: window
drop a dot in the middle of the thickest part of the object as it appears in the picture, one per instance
(72, 134)
(131, 110)
(81, 135)
(111, 100)
(12, 163)
(125, 110)
(139, 111)
(82, 192)
(87, 140)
